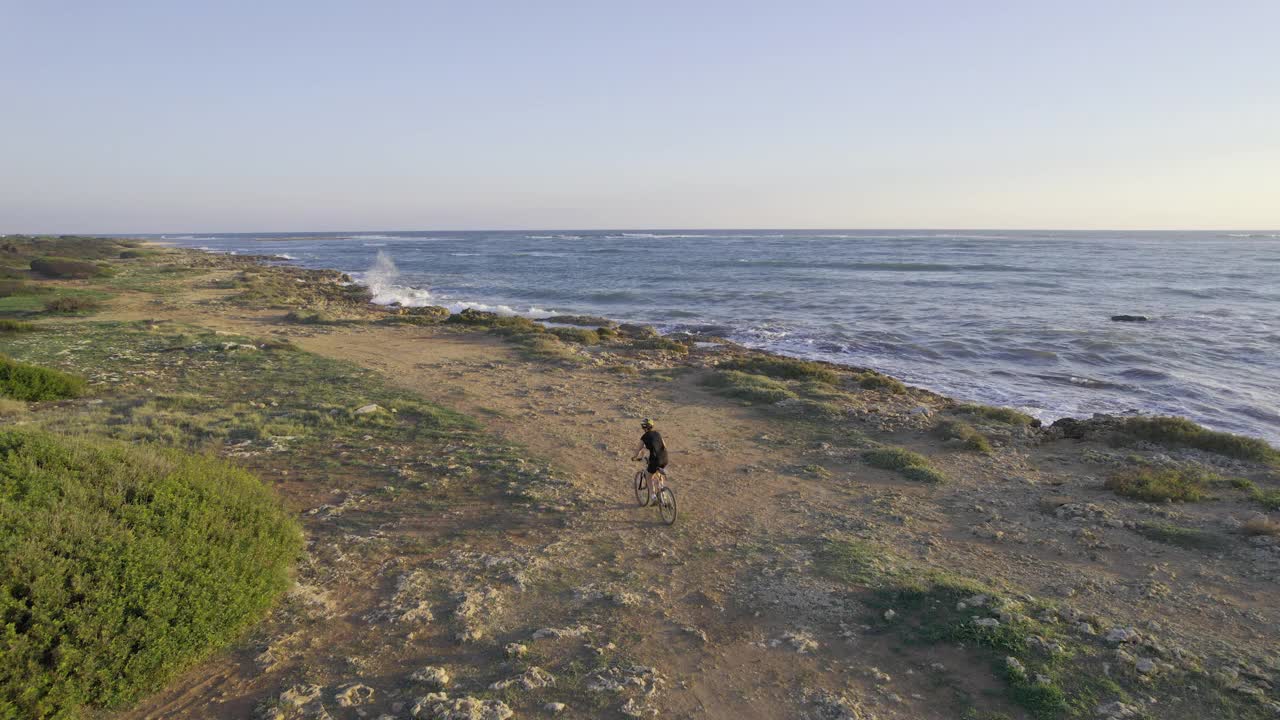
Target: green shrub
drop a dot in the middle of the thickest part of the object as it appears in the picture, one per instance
(16, 326)
(71, 304)
(309, 317)
(12, 408)
(1182, 432)
(1269, 499)
(751, 388)
(782, 367)
(137, 254)
(911, 465)
(966, 434)
(66, 268)
(576, 335)
(876, 381)
(1007, 416)
(21, 381)
(123, 565)
(661, 344)
(1160, 484)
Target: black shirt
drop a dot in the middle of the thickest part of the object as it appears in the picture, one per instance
(657, 450)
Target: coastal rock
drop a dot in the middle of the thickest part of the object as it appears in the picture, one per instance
(366, 409)
(467, 708)
(637, 332)
(354, 694)
(431, 676)
(531, 679)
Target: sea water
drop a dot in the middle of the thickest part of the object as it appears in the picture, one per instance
(1007, 318)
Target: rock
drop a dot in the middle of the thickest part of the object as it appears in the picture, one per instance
(515, 650)
(531, 679)
(1116, 710)
(1015, 666)
(299, 701)
(986, 622)
(1085, 628)
(554, 708)
(467, 708)
(432, 676)
(690, 630)
(800, 641)
(557, 633)
(354, 694)
(1129, 318)
(1145, 666)
(638, 332)
(366, 409)
(1122, 635)
(890, 614)
(827, 705)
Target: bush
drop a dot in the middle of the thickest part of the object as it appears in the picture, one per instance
(16, 326)
(911, 465)
(71, 304)
(661, 344)
(1182, 432)
(1006, 416)
(21, 381)
(876, 381)
(66, 268)
(124, 564)
(782, 367)
(966, 434)
(576, 335)
(1269, 499)
(309, 317)
(1160, 484)
(751, 388)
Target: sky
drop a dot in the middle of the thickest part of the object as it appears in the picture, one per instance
(174, 116)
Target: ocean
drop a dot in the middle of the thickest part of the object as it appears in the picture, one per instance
(1007, 318)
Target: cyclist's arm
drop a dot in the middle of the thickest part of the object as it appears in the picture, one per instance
(636, 454)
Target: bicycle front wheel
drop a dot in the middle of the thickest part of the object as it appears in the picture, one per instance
(642, 489)
(667, 505)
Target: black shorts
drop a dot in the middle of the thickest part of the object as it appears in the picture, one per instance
(655, 466)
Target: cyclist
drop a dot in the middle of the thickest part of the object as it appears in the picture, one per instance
(651, 441)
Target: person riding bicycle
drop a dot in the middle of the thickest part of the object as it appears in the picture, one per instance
(651, 441)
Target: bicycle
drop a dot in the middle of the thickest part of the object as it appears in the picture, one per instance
(666, 497)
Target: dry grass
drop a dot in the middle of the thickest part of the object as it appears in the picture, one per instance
(1261, 525)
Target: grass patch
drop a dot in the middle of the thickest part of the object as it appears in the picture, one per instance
(124, 565)
(23, 381)
(1160, 484)
(1183, 537)
(580, 336)
(68, 304)
(1002, 415)
(660, 344)
(872, 380)
(1269, 499)
(9, 288)
(309, 317)
(967, 435)
(16, 326)
(782, 367)
(754, 389)
(1182, 432)
(910, 465)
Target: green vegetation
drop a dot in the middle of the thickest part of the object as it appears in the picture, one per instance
(1160, 484)
(1003, 415)
(1180, 432)
(580, 336)
(660, 344)
(16, 326)
(1269, 499)
(287, 287)
(966, 434)
(68, 268)
(871, 380)
(21, 381)
(9, 288)
(910, 465)
(67, 304)
(309, 317)
(123, 565)
(750, 388)
(782, 367)
(1183, 537)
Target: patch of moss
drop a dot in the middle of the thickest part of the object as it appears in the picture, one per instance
(580, 336)
(871, 380)
(1003, 415)
(910, 465)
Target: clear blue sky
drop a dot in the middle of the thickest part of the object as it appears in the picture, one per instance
(221, 116)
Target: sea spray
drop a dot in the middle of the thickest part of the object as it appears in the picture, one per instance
(381, 281)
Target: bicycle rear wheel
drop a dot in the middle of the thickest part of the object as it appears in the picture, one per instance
(642, 489)
(667, 505)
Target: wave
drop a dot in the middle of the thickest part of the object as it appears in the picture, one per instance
(883, 266)
(552, 237)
